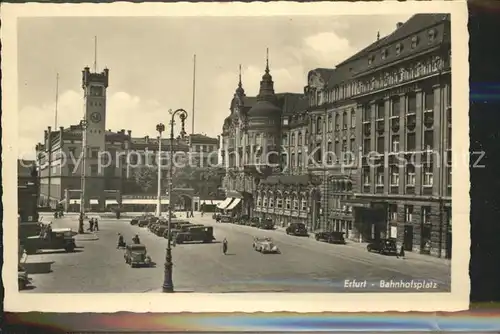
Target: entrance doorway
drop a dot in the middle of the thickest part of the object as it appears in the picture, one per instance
(408, 238)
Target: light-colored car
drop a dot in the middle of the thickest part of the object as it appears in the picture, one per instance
(265, 246)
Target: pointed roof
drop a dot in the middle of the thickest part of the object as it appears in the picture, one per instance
(266, 100)
(240, 91)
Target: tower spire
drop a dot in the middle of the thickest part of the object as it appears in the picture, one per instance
(267, 60)
(95, 54)
(57, 100)
(239, 78)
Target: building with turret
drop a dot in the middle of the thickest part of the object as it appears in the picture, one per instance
(365, 150)
(110, 159)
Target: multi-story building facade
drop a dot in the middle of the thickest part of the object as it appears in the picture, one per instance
(110, 158)
(368, 154)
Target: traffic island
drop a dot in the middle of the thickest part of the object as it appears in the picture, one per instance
(86, 237)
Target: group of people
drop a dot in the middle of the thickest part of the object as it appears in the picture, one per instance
(121, 241)
(93, 225)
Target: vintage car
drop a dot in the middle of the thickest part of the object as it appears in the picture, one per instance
(134, 221)
(23, 280)
(29, 229)
(62, 238)
(383, 246)
(137, 256)
(226, 219)
(331, 237)
(203, 234)
(297, 229)
(266, 224)
(254, 222)
(265, 245)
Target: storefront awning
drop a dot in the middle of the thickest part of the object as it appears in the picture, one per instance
(143, 201)
(234, 203)
(211, 202)
(225, 203)
(77, 201)
(356, 203)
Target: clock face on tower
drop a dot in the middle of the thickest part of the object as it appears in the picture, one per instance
(95, 117)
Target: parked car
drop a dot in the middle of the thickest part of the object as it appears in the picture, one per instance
(266, 224)
(265, 246)
(134, 221)
(226, 219)
(203, 234)
(136, 255)
(62, 238)
(297, 229)
(254, 222)
(383, 246)
(331, 237)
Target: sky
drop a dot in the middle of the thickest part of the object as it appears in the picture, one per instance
(150, 60)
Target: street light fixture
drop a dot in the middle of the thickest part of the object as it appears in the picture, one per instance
(168, 285)
(160, 128)
(83, 125)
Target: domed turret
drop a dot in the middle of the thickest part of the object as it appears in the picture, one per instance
(266, 100)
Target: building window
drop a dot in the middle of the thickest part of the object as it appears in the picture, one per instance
(299, 139)
(306, 138)
(344, 120)
(393, 212)
(299, 159)
(292, 160)
(271, 202)
(330, 152)
(429, 101)
(394, 175)
(93, 170)
(380, 111)
(330, 123)
(410, 142)
(408, 213)
(284, 140)
(367, 146)
(428, 174)
(344, 149)
(287, 201)
(265, 202)
(319, 125)
(367, 113)
(304, 205)
(412, 104)
(259, 201)
(337, 122)
(94, 153)
(353, 119)
(410, 175)
(380, 145)
(396, 106)
(380, 176)
(366, 176)
(293, 139)
(428, 140)
(395, 143)
(295, 204)
(352, 146)
(279, 203)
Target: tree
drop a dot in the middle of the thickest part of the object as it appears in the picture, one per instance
(146, 177)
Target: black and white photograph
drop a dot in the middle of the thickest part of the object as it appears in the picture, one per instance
(232, 154)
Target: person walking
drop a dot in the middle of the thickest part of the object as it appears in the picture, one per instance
(402, 251)
(96, 225)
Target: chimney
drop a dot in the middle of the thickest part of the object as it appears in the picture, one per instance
(147, 139)
(399, 25)
(122, 131)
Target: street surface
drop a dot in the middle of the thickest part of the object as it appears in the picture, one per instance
(304, 265)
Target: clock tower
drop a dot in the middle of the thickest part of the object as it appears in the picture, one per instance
(94, 134)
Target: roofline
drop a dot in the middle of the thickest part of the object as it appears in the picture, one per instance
(358, 54)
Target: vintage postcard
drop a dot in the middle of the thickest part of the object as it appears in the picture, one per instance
(236, 157)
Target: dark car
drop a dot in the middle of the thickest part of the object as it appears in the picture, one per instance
(266, 224)
(297, 229)
(134, 221)
(383, 246)
(254, 222)
(331, 237)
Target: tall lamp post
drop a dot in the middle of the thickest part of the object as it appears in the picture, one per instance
(160, 128)
(168, 285)
(83, 125)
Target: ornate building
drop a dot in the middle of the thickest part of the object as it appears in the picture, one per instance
(60, 157)
(366, 150)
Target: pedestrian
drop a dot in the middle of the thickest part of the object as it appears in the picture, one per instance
(80, 225)
(402, 251)
(96, 225)
(91, 225)
(192, 214)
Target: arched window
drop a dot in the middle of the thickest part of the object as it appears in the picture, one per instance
(337, 122)
(319, 125)
(293, 139)
(344, 120)
(306, 138)
(299, 137)
(330, 123)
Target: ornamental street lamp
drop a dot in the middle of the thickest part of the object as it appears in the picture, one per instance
(160, 128)
(83, 125)
(168, 285)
